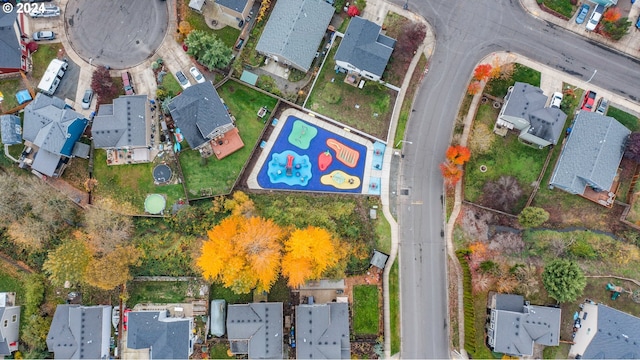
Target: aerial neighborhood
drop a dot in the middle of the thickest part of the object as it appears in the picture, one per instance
(319, 179)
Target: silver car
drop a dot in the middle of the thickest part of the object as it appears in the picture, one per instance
(43, 35)
(86, 99)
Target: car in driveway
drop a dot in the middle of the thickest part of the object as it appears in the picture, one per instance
(86, 99)
(588, 101)
(197, 75)
(44, 35)
(582, 13)
(556, 100)
(602, 106)
(182, 79)
(126, 84)
(45, 11)
(595, 17)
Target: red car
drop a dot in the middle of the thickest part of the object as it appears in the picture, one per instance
(589, 101)
(125, 319)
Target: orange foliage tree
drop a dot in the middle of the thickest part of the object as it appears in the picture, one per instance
(242, 253)
(482, 72)
(612, 14)
(455, 157)
(308, 253)
(451, 173)
(458, 154)
(474, 87)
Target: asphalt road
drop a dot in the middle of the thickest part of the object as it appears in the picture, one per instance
(466, 31)
(117, 33)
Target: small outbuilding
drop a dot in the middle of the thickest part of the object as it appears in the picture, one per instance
(378, 259)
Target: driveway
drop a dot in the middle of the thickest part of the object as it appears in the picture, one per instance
(117, 33)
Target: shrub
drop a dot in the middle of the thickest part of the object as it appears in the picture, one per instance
(563, 280)
(531, 217)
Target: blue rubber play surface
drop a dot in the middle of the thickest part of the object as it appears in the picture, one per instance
(302, 159)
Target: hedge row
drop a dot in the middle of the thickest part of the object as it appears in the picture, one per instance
(469, 313)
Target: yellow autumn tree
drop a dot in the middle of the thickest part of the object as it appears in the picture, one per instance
(308, 253)
(242, 253)
(112, 269)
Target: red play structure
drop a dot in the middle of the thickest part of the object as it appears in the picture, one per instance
(289, 166)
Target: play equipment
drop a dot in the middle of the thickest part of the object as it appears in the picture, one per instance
(324, 160)
(340, 180)
(290, 168)
(616, 290)
(302, 134)
(344, 154)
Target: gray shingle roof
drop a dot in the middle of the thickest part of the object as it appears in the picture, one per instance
(322, 331)
(10, 53)
(294, 31)
(45, 162)
(618, 336)
(256, 329)
(10, 129)
(168, 338)
(547, 124)
(236, 5)
(9, 334)
(198, 112)
(517, 328)
(121, 124)
(591, 155)
(524, 98)
(80, 332)
(364, 47)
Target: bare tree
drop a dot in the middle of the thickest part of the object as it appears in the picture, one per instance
(503, 193)
(107, 229)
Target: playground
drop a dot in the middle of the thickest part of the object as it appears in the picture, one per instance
(309, 158)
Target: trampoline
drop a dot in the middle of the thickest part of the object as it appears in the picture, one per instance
(161, 174)
(154, 204)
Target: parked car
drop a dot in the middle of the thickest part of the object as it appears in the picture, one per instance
(638, 22)
(37, 1)
(86, 99)
(582, 13)
(126, 84)
(239, 43)
(556, 100)
(182, 79)
(43, 35)
(46, 11)
(596, 15)
(603, 106)
(589, 101)
(197, 75)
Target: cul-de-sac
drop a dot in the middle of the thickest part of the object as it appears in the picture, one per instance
(319, 179)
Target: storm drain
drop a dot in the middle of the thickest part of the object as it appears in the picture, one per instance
(404, 191)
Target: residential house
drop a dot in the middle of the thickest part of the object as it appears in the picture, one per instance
(364, 50)
(294, 32)
(53, 130)
(9, 323)
(515, 325)
(602, 332)
(13, 50)
(322, 331)
(204, 121)
(124, 130)
(165, 337)
(10, 130)
(588, 164)
(256, 330)
(80, 332)
(235, 9)
(524, 110)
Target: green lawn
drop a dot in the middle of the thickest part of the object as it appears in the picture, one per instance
(227, 34)
(279, 292)
(159, 292)
(12, 281)
(215, 175)
(563, 7)
(219, 351)
(9, 88)
(171, 85)
(626, 119)
(41, 59)
(366, 310)
(521, 73)
(394, 307)
(217, 291)
(383, 230)
(367, 109)
(130, 183)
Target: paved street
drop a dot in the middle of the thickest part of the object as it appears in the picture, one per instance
(467, 31)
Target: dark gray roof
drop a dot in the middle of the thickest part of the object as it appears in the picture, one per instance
(322, 331)
(122, 124)
(80, 332)
(168, 338)
(364, 47)
(256, 329)
(10, 129)
(236, 5)
(378, 259)
(518, 326)
(10, 53)
(295, 29)
(46, 162)
(547, 124)
(52, 126)
(524, 98)
(618, 336)
(198, 112)
(591, 154)
(81, 150)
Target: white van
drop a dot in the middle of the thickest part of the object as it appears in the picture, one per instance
(52, 76)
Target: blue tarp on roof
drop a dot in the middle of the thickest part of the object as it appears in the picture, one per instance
(23, 96)
(74, 132)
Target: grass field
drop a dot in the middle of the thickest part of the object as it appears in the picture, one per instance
(215, 175)
(227, 34)
(383, 230)
(626, 119)
(394, 307)
(130, 183)
(9, 88)
(158, 292)
(366, 310)
(521, 73)
(41, 59)
(219, 351)
(563, 7)
(217, 291)
(171, 85)
(11, 281)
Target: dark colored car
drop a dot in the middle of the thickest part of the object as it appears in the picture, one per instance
(589, 101)
(582, 13)
(638, 22)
